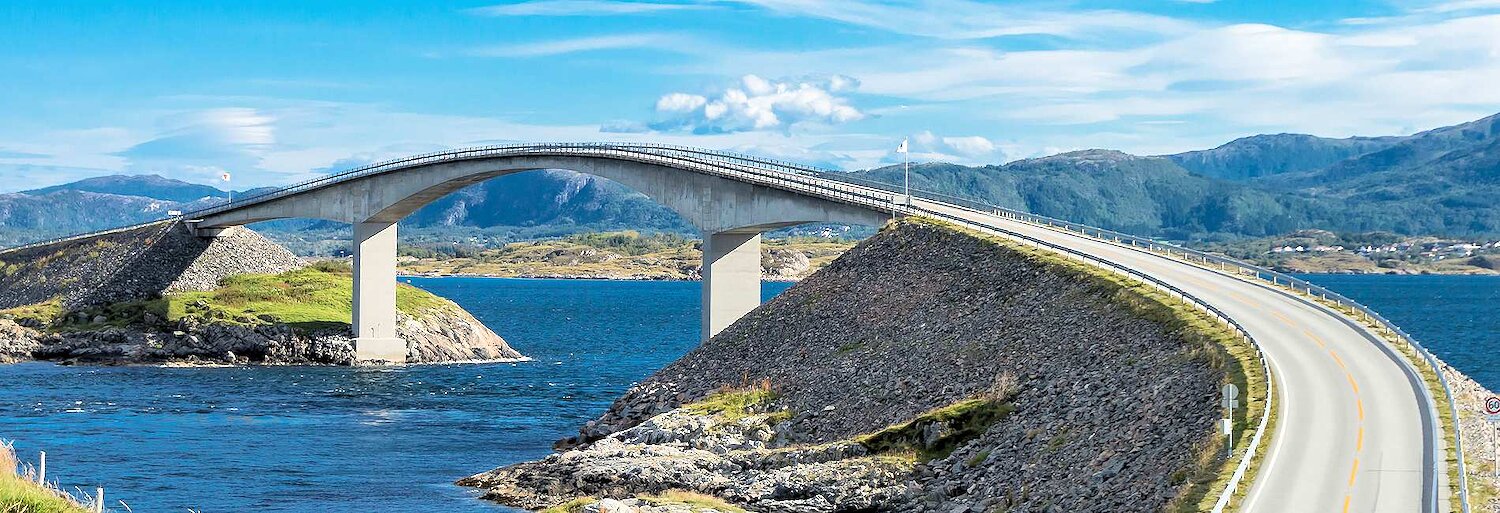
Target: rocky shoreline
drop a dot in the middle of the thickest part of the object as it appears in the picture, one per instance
(106, 301)
(1053, 396)
(441, 338)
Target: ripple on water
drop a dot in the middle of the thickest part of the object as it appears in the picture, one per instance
(338, 439)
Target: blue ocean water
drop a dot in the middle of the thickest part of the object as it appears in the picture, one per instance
(321, 439)
(1455, 317)
(314, 439)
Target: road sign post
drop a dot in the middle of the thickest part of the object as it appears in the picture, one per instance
(1230, 400)
(1492, 413)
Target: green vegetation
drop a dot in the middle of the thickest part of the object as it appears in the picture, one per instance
(44, 313)
(630, 242)
(572, 506)
(20, 495)
(959, 422)
(313, 298)
(734, 403)
(964, 420)
(693, 500)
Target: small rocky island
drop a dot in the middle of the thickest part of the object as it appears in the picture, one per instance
(158, 294)
(927, 369)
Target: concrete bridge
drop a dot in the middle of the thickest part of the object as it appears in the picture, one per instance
(1357, 428)
(731, 200)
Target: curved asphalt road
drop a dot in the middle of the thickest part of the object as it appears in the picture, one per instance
(1352, 433)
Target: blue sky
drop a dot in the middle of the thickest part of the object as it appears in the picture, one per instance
(276, 92)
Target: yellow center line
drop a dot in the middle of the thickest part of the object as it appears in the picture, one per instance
(1359, 405)
(1316, 339)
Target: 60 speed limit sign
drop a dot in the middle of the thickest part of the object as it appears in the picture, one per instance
(1492, 406)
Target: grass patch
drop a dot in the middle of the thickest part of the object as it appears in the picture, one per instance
(693, 500)
(572, 506)
(20, 495)
(314, 298)
(734, 403)
(964, 420)
(850, 347)
(44, 313)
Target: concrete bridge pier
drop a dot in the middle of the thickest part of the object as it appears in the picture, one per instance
(731, 278)
(375, 294)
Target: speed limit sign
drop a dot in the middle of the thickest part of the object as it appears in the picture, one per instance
(1492, 406)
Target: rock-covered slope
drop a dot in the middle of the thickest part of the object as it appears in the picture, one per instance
(928, 369)
(145, 262)
(159, 294)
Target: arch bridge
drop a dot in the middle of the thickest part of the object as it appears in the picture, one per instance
(730, 199)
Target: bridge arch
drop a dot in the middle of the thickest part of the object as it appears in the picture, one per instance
(731, 211)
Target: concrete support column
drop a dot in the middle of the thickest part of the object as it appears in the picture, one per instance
(731, 278)
(375, 294)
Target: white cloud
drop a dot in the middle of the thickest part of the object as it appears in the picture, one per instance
(680, 103)
(971, 146)
(759, 104)
(655, 41)
(580, 8)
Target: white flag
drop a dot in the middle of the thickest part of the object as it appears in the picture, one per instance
(902, 148)
(224, 177)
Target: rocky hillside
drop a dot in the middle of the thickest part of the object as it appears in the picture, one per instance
(160, 294)
(927, 369)
(144, 262)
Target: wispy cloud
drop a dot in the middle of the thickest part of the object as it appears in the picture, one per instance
(656, 41)
(581, 8)
(966, 19)
(8, 154)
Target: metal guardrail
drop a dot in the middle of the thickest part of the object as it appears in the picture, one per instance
(871, 194)
(1241, 268)
(66, 238)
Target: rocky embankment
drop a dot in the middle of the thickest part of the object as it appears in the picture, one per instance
(1479, 435)
(928, 369)
(91, 301)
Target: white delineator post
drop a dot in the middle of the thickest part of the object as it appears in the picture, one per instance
(41, 468)
(375, 294)
(731, 278)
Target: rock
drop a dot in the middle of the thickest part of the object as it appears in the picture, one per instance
(912, 320)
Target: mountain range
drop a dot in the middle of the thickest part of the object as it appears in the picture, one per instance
(1444, 181)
